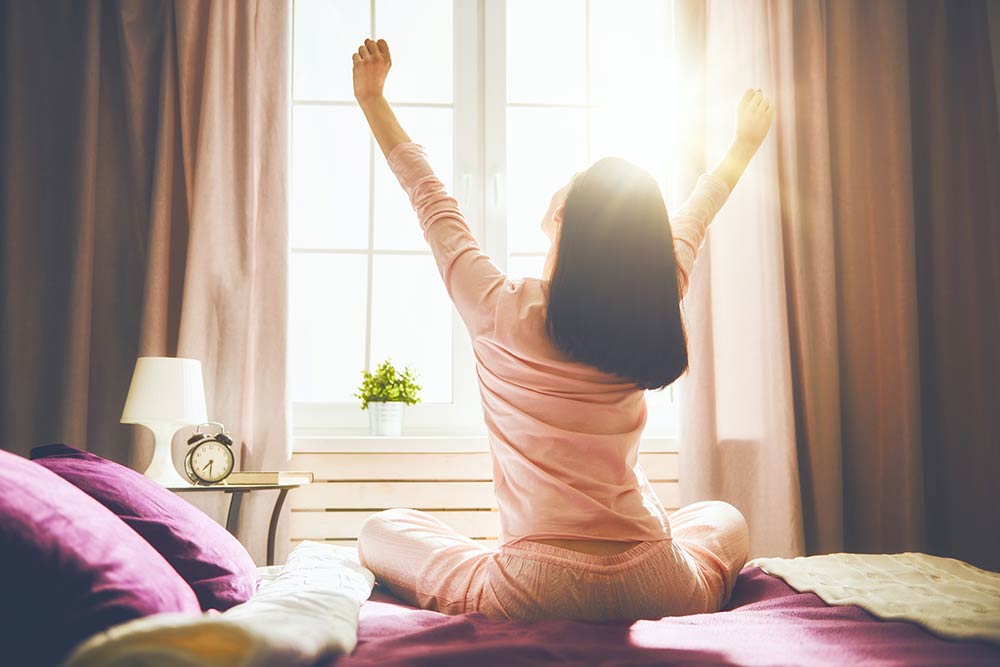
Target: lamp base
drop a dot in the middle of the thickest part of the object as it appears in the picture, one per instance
(161, 468)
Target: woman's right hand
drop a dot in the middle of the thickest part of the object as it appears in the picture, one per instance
(371, 65)
(754, 114)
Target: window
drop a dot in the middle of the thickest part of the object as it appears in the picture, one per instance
(508, 115)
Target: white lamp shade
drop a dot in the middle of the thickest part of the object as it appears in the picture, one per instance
(166, 390)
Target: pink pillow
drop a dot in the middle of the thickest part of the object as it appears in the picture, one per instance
(205, 554)
(70, 567)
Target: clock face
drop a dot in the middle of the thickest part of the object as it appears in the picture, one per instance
(211, 461)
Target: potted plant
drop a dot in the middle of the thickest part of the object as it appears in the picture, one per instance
(385, 394)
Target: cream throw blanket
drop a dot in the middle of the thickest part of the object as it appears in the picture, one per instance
(947, 597)
(302, 613)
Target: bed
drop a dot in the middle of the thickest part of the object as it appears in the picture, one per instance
(114, 571)
(765, 623)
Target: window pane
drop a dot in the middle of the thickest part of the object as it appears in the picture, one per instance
(396, 226)
(661, 400)
(628, 52)
(663, 409)
(411, 321)
(421, 36)
(326, 331)
(633, 119)
(640, 135)
(525, 266)
(330, 156)
(545, 147)
(327, 32)
(546, 51)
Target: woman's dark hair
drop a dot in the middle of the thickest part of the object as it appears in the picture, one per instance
(613, 297)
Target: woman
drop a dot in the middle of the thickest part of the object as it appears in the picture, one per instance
(563, 364)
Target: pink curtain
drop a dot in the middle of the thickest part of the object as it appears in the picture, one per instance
(806, 403)
(738, 427)
(143, 156)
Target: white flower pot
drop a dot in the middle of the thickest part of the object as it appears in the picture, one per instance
(386, 418)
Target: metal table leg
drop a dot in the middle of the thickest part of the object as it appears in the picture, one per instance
(233, 517)
(272, 529)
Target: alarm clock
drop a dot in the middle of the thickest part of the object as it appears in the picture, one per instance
(210, 457)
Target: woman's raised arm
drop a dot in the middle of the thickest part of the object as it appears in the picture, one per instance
(472, 279)
(371, 65)
(754, 114)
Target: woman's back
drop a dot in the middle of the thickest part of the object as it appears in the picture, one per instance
(564, 435)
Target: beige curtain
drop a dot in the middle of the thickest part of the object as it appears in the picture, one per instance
(144, 213)
(806, 403)
(956, 208)
(738, 424)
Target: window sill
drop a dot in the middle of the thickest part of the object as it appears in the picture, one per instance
(343, 444)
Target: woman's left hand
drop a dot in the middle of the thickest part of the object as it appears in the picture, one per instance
(754, 114)
(371, 65)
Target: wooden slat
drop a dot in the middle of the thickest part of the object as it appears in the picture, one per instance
(659, 466)
(374, 466)
(468, 466)
(418, 495)
(383, 495)
(489, 544)
(669, 494)
(347, 525)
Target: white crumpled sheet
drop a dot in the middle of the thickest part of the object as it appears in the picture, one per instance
(303, 612)
(946, 596)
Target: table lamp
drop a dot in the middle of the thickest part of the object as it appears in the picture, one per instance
(166, 394)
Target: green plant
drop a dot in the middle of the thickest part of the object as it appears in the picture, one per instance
(388, 384)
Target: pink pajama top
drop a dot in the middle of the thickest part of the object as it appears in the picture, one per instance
(564, 436)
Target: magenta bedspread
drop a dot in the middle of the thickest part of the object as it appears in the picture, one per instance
(766, 623)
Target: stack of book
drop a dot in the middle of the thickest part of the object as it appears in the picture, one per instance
(268, 477)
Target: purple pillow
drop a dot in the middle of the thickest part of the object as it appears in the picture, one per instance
(70, 567)
(205, 554)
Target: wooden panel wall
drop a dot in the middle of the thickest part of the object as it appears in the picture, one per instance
(454, 486)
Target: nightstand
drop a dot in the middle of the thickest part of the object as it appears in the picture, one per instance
(238, 491)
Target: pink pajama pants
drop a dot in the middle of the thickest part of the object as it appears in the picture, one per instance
(427, 564)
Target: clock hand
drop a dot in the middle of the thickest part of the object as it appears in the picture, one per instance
(208, 468)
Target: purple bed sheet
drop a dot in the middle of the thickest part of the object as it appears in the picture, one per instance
(767, 623)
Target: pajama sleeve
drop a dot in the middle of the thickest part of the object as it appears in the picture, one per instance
(691, 222)
(472, 279)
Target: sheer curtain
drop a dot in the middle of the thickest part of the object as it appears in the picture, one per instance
(813, 401)
(143, 203)
(738, 427)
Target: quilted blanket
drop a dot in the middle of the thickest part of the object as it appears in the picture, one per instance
(947, 597)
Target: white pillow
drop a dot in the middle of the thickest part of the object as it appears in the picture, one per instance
(305, 612)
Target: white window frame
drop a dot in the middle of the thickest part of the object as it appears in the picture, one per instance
(463, 416)
(479, 106)
(660, 424)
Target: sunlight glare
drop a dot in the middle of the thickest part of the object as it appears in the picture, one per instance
(623, 52)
